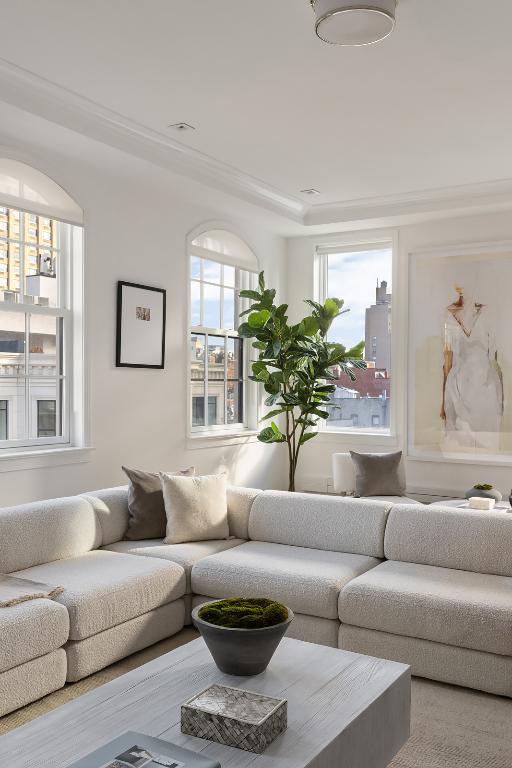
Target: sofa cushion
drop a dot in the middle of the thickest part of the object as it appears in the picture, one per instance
(43, 531)
(470, 610)
(185, 555)
(31, 629)
(332, 523)
(306, 580)
(111, 507)
(103, 589)
(240, 501)
(465, 539)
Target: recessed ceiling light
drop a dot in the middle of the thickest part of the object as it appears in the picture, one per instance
(182, 126)
(311, 191)
(354, 22)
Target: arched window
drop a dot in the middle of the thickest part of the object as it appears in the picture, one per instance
(40, 251)
(221, 264)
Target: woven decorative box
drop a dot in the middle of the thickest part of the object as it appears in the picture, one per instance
(234, 717)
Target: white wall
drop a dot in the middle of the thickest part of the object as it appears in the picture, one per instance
(432, 477)
(136, 222)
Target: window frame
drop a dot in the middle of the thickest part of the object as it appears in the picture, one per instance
(63, 378)
(248, 397)
(388, 240)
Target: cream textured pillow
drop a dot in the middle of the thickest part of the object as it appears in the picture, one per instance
(196, 508)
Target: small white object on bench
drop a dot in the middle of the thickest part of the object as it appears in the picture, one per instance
(476, 502)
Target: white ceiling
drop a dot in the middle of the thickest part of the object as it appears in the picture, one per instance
(428, 108)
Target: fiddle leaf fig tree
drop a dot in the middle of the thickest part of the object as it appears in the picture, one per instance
(296, 365)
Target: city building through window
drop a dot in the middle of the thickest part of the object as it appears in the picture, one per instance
(36, 308)
(361, 276)
(218, 357)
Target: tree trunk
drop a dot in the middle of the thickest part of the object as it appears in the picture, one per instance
(291, 475)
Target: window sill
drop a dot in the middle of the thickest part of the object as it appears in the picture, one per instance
(357, 437)
(14, 461)
(214, 439)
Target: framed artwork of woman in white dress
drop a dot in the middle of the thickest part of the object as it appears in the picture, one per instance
(460, 353)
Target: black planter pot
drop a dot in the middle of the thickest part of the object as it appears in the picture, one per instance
(241, 651)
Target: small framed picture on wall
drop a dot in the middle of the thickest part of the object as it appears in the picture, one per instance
(140, 341)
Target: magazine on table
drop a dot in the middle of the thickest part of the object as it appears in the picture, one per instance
(135, 750)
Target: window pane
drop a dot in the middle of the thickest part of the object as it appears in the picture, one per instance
(216, 355)
(45, 398)
(235, 402)
(12, 343)
(211, 306)
(46, 418)
(4, 414)
(197, 342)
(234, 351)
(363, 280)
(215, 403)
(198, 404)
(13, 271)
(12, 419)
(229, 276)
(211, 271)
(41, 276)
(45, 346)
(195, 303)
(195, 267)
(229, 309)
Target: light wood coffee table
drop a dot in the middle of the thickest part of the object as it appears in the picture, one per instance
(344, 711)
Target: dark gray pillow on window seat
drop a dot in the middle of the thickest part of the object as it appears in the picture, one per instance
(378, 474)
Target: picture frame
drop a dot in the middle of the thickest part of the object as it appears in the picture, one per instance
(140, 328)
(456, 294)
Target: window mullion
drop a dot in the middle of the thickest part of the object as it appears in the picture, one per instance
(27, 419)
(206, 374)
(225, 379)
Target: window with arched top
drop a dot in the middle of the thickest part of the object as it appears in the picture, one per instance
(221, 397)
(40, 259)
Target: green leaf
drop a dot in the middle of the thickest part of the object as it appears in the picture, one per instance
(357, 351)
(271, 435)
(275, 412)
(307, 436)
(261, 281)
(258, 320)
(310, 326)
(314, 304)
(246, 331)
(321, 414)
(254, 295)
(332, 307)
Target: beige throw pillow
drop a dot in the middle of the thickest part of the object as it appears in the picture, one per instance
(196, 508)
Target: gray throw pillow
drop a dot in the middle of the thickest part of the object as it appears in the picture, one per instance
(146, 508)
(378, 474)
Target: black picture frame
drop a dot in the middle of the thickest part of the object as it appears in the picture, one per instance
(121, 285)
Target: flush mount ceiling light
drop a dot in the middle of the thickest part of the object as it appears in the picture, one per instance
(347, 22)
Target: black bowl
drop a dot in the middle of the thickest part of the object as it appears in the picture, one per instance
(241, 651)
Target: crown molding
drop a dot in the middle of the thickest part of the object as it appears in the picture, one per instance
(42, 97)
(415, 206)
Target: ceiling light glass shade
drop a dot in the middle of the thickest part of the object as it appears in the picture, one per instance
(347, 22)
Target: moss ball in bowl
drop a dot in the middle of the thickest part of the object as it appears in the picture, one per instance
(242, 633)
(244, 613)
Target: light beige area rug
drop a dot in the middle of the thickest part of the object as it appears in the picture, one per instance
(451, 727)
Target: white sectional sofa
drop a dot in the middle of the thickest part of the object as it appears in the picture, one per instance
(427, 586)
